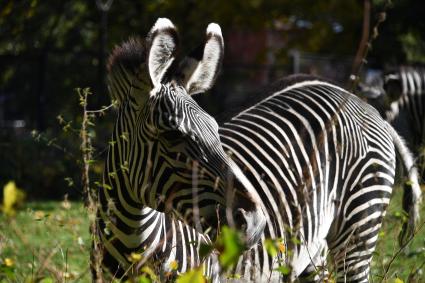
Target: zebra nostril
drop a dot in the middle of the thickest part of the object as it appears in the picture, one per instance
(251, 224)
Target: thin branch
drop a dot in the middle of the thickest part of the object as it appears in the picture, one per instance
(361, 50)
(387, 268)
(365, 46)
(90, 195)
(103, 109)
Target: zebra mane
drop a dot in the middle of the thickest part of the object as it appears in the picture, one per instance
(126, 60)
(237, 107)
(130, 54)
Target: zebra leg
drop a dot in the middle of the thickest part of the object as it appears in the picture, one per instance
(363, 211)
(317, 270)
(353, 263)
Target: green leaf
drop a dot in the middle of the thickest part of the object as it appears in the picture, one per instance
(106, 186)
(144, 279)
(47, 280)
(124, 136)
(8, 271)
(148, 271)
(69, 181)
(192, 276)
(234, 276)
(285, 270)
(271, 248)
(295, 241)
(231, 247)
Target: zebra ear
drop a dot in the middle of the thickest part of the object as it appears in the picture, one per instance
(162, 42)
(199, 70)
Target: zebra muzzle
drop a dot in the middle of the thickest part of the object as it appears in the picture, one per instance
(251, 224)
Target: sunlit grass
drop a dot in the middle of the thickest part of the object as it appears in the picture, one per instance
(51, 240)
(47, 240)
(409, 265)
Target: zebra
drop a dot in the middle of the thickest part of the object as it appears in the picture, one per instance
(124, 225)
(399, 95)
(310, 164)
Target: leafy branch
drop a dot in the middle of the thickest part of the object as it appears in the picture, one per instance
(90, 195)
(366, 41)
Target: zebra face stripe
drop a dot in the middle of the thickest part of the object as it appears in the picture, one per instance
(186, 140)
(174, 118)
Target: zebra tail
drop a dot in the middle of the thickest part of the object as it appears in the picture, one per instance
(412, 195)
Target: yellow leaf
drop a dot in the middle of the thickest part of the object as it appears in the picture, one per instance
(281, 247)
(192, 276)
(66, 204)
(7, 9)
(67, 275)
(9, 262)
(174, 265)
(135, 257)
(13, 197)
(39, 215)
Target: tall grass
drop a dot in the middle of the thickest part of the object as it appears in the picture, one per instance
(50, 242)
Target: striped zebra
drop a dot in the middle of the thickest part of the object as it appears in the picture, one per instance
(309, 164)
(125, 226)
(400, 97)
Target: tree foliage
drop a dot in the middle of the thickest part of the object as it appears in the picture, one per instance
(48, 48)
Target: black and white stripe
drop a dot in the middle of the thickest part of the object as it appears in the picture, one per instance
(125, 226)
(407, 113)
(310, 164)
(400, 97)
(323, 163)
(159, 135)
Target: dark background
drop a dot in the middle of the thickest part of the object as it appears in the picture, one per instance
(49, 48)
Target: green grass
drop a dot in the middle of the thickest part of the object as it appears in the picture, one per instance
(47, 240)
(409, 265)
(50, 241)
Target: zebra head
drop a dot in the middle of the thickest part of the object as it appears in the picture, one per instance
(184, 166)
(380, 90)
